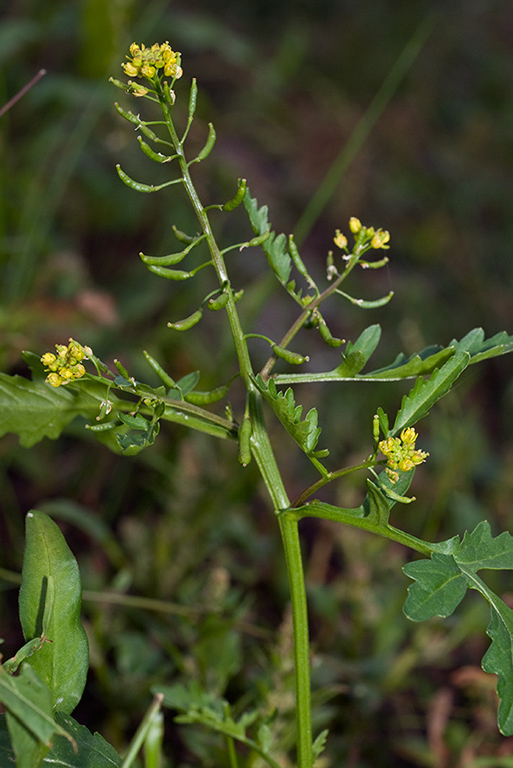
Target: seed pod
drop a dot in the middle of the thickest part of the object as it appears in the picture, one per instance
(169, 94)
(182, 236)
(245, 432)
(205, 398)
(122, 370)
(134, 184)
(127, 114)
(149, 152)
(297, 260)
(209, 145)
(148, 132)
(170, 274)
(165, 377)
(332, 341)
(290, 357)
(239, 197)
(219, 302)
(192, 98)
(187, 322)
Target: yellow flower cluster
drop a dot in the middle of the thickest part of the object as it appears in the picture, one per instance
(145, 62)
(378, 238)
(66, 365)
(401, 453)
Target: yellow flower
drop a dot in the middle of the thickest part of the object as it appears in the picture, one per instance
(340, 240)
(355, 225)
(401, 453)
(146, 62)
(66, 365)
(380, 238)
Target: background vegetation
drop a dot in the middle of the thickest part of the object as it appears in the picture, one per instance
(287, 85)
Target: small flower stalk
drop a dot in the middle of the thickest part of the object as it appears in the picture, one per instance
(401, 453)
(66, 365)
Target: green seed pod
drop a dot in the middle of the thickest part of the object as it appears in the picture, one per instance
(122, 370)
(296, 258)
(169, 94)
(245, 432)
(148, 132)
(127, 114)
(290, 357)
(209, 145)
(182, 236)
(187, 322)
(149, 152)
(102, 427)
(170, 274)
(219, 302)
(134, 184)
(192, 98)
(168, 381)
(239, 197)
(332, 341)
(237, 296)
(205, 398)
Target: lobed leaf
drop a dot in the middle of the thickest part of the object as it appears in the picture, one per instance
(440, 584)
(305, 432)
(425, 393)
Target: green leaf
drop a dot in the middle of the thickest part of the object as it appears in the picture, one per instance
(275, 247)
(29, 716)
(440, 584)
(50, 598)
(420, 364)
(425, 394)
(480, 348)
(305, 432)
(84, 751)
(357, 353)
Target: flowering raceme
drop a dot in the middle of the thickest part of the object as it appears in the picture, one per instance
(401, 453)
(146, 62)
(66, 365)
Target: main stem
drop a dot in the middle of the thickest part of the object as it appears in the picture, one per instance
(264, 456)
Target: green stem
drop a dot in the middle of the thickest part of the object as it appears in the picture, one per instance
(217, 257)
(266, 461)
(264, 456)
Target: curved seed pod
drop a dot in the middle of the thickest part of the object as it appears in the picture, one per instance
(158, 157)
(138, 187)
(219, 302)
(127, 114)
(48, 562)
(134, 184)
(245, 432)
(237, 296)
(205, 398)
(170, 274)
(297, 260)
(148, 132)
(209, 145)
(288, 356)
(171, 258)
(325, 332)
(182, 236)
(187, 322)
(239, 197)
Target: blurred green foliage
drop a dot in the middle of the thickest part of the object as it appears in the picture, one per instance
(285, 85)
